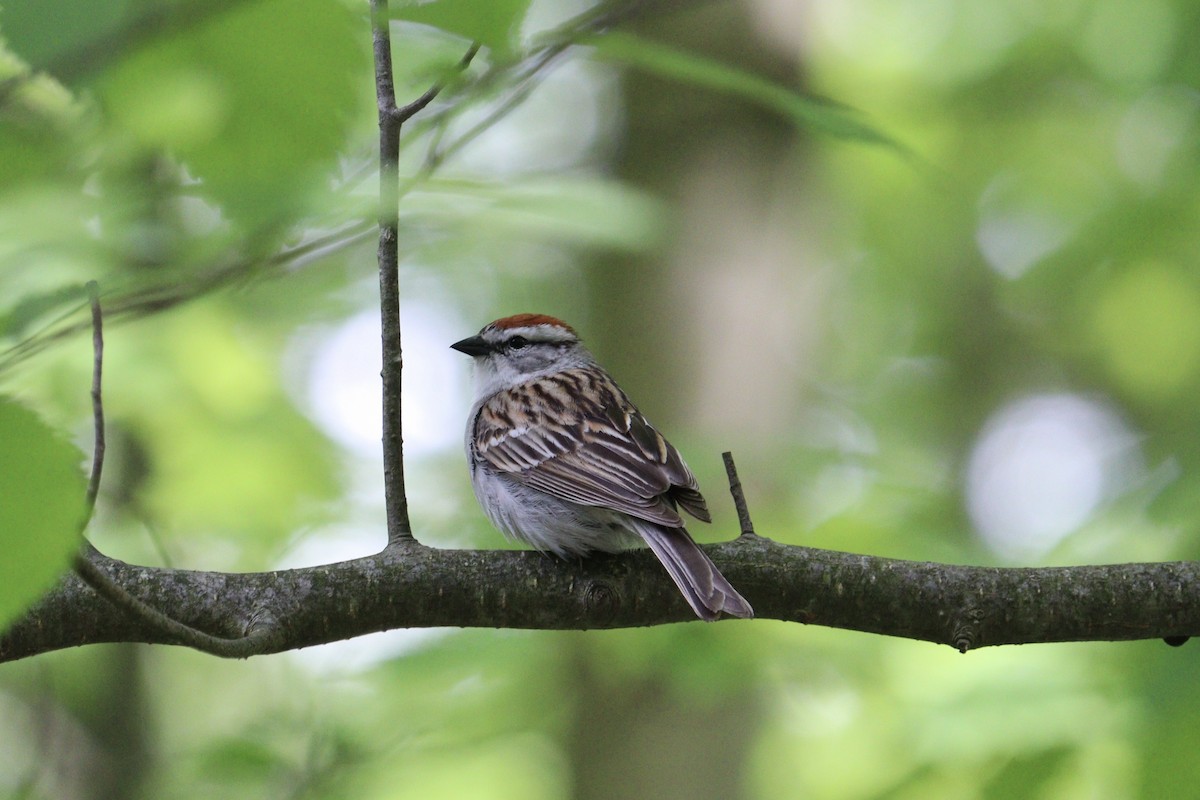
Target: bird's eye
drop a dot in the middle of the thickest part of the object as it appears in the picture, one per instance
(518, 343)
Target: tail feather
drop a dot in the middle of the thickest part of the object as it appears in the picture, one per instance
(701, 583)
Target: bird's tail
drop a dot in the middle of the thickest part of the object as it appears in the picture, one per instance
(702, 584)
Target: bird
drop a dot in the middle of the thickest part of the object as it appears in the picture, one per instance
(562, 460)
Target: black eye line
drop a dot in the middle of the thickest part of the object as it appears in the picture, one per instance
(523, 343)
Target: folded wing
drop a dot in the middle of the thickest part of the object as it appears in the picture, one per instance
(576, 436)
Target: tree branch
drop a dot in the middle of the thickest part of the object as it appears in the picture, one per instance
(964, 607)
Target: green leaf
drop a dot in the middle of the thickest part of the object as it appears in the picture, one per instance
(38, 125)
(824, 116)
(494, 23)
(41, 507)
(256, 101)
(45, 31)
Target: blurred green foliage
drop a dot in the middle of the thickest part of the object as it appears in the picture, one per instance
(854, 302)
(496, 25)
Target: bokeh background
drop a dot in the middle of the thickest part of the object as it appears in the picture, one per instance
(965, 328)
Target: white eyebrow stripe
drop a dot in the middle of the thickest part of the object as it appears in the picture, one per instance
(539, 333)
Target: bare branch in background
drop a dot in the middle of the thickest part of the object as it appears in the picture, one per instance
(93, 487)
(158, 298)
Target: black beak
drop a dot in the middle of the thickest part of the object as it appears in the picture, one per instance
(472, 346)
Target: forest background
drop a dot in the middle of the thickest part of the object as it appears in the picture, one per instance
(938, 296)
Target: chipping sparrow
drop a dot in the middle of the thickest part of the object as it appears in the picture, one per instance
(560, 459)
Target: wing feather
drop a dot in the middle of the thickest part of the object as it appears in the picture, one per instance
(592, 448)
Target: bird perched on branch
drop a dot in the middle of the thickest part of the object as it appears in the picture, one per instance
(562, 460)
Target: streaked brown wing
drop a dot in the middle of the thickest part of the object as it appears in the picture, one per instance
(593, 448)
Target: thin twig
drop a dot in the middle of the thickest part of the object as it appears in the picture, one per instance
(398, 526)
(93, 487)
(410, 110)
(391, 119)
(739, 498)
(257, 639)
